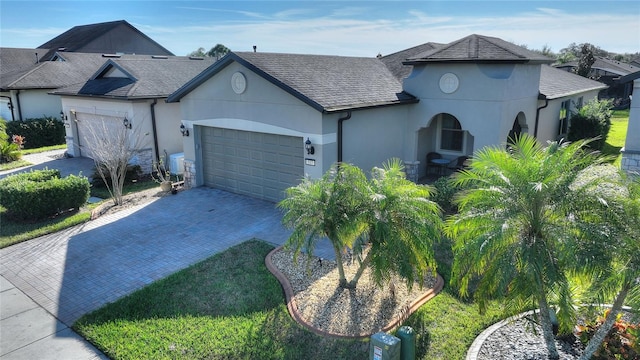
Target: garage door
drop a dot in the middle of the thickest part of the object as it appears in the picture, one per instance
(250, 163)
(91, 126)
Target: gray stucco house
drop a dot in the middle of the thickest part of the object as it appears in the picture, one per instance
(259, 122)
(28, 75)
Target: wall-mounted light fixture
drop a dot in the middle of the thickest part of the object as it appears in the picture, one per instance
(183, 130)
(310, 149)
(64, 118)
(126, 122)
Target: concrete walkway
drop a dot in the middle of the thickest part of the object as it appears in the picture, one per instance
(49, 282)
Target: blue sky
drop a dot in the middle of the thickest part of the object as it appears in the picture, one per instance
(354, 28)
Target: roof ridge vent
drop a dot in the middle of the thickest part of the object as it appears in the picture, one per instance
(111, 55)
(196, 58)
(159, 57)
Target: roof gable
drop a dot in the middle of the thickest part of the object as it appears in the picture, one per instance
(478, 48)
(326, 83)
(77, 38)
(138, 77)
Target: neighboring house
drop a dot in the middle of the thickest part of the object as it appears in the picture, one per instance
(259, 122)
(631, 150)
(26, 75)
(133, 87)
(609, 72)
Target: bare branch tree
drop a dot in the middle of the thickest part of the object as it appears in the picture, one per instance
(112, 147)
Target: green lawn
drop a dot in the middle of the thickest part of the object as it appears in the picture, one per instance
(231, 307)
(617, 135)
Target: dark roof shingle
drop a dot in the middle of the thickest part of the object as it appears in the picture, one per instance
(556, 83)
(478, 48)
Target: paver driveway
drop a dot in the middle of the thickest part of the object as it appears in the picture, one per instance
(78, 270)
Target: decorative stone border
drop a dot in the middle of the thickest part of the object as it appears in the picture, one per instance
(293, 308)
(474, 349)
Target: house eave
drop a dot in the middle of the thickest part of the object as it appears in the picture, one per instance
(342, 108)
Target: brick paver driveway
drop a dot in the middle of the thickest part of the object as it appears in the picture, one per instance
(78, 270)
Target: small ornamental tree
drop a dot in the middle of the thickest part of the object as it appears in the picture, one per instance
(112, 147)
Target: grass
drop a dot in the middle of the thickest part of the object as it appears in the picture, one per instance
(617, 135)
(13, 232)
(231, 307)
(22, 163)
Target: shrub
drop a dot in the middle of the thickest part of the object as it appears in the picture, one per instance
(134, 173)
(445, 191)
(40, 194)
(593, 120)
(620, 343)
(41, 132)
(9, 151)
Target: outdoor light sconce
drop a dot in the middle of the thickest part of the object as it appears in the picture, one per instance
(183, 130)
(126, 123)
(310, 149)
(64, 118)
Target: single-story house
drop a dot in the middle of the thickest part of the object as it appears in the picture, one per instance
(259, 122)
(26, 75)
(131, 87)
(610, 72)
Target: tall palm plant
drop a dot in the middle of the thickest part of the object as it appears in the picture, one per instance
(332, 207)
(621, 280)
(388, 221)
(517, 226)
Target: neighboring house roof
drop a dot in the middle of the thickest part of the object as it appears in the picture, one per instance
(556, 83)
(395, 61)
(479, 48)
(71, 68)
(78, 39)
(326, 83)
(138, 77)
(15, 62)
(601, 63)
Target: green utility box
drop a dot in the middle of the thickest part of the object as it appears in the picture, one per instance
(384, 347)
(407, 343)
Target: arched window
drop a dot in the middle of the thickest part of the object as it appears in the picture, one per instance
(451, 134)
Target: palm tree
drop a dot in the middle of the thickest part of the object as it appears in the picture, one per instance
(388, 221)
(403, 225)
(515, 232)
(331, 207)
(620, 281)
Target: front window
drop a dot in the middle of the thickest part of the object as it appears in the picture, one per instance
(451, 134)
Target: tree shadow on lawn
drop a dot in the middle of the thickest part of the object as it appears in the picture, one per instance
(228, 306)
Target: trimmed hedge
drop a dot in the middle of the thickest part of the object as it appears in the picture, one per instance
(38, 132)
(40, 194)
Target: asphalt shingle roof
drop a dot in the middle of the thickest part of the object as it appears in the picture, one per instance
(15, 62)
(479, 48)
(395, 61)
(77, 37)
(556, 83)
(327, 83)
(612, 66)
(151, 77)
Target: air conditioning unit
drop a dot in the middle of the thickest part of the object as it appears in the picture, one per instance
(176, 163)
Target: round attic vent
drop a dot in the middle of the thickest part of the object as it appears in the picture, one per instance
(449, 83)
(238, 82)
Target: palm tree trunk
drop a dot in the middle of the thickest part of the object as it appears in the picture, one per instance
(363, 265)
(597, 339)
(547, 328)
(343, 280)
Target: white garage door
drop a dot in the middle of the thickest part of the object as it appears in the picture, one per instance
(91, 126)
(250, 163)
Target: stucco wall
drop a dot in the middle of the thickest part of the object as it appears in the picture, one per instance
(262, 107)
(486, 103)
(549, 119)
(631, 150)
(35, 104)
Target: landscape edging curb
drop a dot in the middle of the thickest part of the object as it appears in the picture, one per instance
(292, 308)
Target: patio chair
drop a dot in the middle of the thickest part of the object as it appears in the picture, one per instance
(459, 163)
(430, 164)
